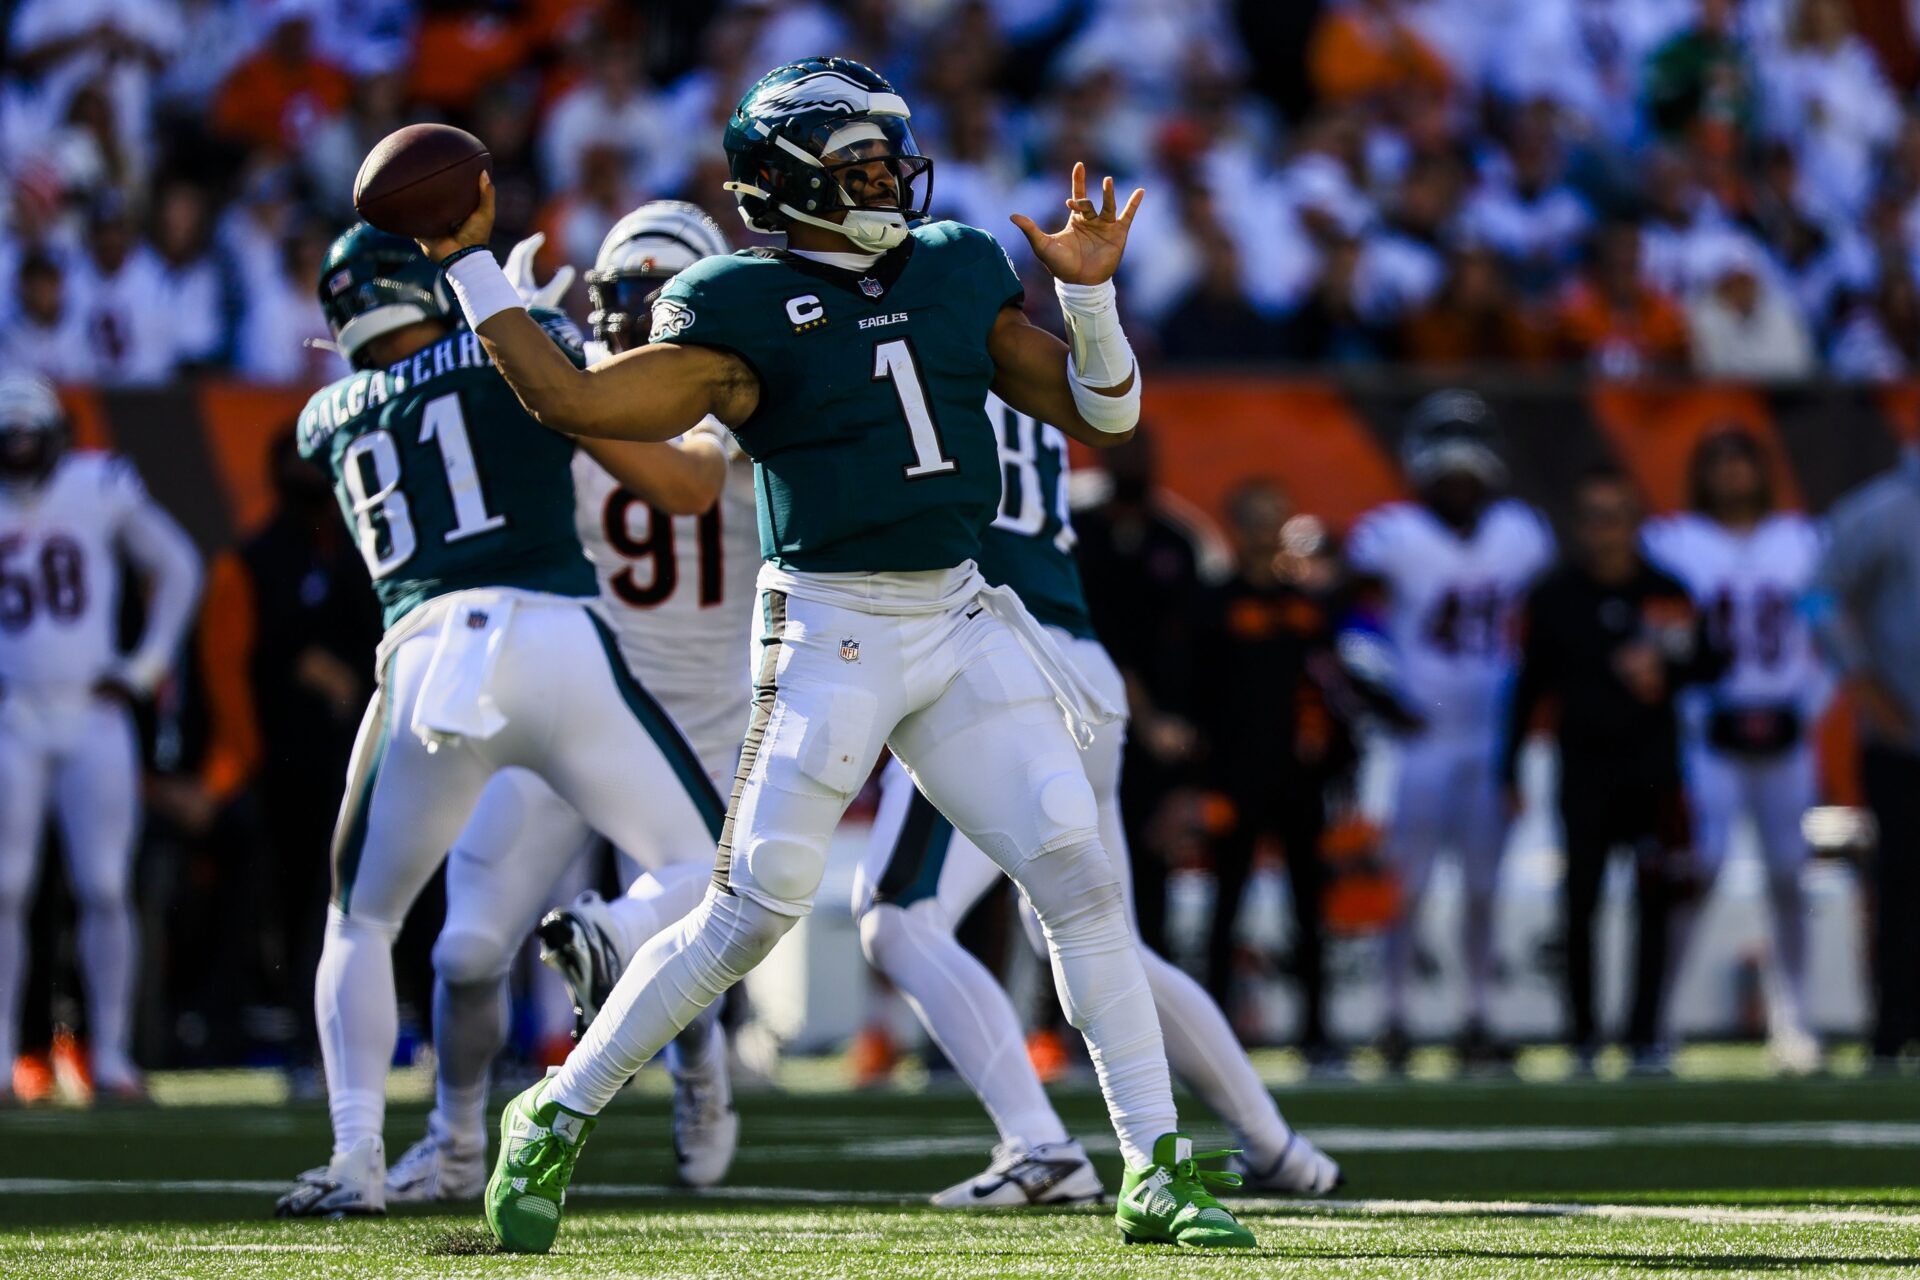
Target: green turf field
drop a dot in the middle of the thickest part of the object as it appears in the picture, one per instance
(1714, 1174)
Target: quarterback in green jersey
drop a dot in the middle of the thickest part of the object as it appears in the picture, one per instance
(464, 512)
(853, 366)
(919, 878)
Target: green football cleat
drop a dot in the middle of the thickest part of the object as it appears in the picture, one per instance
(1168, 1202)
(539, 1141)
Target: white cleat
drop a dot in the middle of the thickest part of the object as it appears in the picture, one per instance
(706, 1128)
(352, 1184)
(434, 1168)
(1301, 1169)
(578, 942)
(1051, 1173)
(1794, 1051)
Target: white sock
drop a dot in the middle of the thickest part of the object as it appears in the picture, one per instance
(655, 900)
(106, 939)
(1204, 1052)
(353, 1001)
(1103, 988)
(1789, 946)
(469, 1028)
(678, 973)
(969, 1017)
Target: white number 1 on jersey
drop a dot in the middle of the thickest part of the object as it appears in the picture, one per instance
(893, 362)
(446, 426)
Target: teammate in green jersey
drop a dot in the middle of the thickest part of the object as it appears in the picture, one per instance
(464, 512)
(853, 366)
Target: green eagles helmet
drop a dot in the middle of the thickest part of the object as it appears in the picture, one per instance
(804, 143)
(373, 283)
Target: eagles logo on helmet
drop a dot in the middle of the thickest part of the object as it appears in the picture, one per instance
(825, 141)
(33, 429)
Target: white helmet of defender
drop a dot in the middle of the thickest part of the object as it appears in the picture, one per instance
(1452, 432)
(33, 428)
(643, 251)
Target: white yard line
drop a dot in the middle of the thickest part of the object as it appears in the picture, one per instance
(1550, 1209)
(1313, 1213)
(1341, 1139)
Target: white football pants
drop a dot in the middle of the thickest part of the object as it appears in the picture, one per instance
(969, 714)
(920, 878)
(77, 755)
(1448, 797)
(573, 715)
(1776, 793)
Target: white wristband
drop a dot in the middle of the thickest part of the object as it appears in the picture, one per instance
(481, 287)
(1101, 353)
(1115, 415)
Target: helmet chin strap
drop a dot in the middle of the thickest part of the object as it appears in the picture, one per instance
(869, 230)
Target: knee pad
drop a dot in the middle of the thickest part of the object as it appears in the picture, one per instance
(879, 925)
(466, 958)
(786, 869)
(1046, 810)
(781, 832)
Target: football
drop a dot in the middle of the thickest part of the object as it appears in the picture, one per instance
(421, 181)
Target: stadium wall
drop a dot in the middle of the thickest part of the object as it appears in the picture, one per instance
(1333, 442)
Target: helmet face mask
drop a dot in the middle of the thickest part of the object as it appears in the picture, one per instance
(620, 305)
(826, 142)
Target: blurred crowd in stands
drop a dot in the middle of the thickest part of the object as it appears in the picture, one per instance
(1730, 187)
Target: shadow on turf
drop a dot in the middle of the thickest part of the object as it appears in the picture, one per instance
(462, 1242)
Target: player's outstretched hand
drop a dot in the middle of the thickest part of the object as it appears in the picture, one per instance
(477, 229)
(1087, 250)
(519, 271)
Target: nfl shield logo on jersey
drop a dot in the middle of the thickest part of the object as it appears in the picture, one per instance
(849, 650)
(871, 287)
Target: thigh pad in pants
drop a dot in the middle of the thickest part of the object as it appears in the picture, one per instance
(993, 752)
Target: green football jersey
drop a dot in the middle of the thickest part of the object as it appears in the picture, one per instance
(1029, 545)
(871, 448)
(445, 480)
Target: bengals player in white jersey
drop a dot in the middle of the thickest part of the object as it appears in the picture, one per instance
(1448, 569)
(677, 591)
(1749, 747)
(67, 741)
